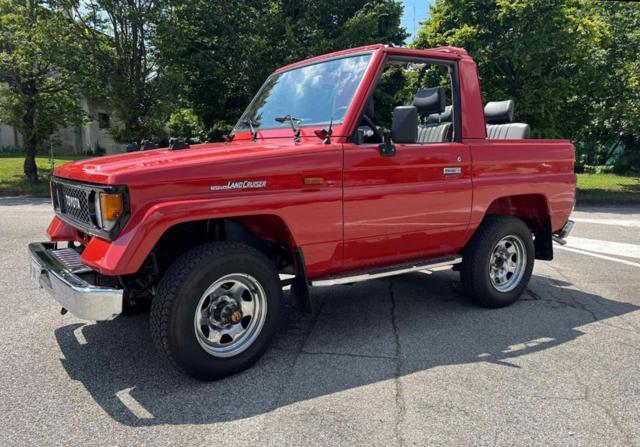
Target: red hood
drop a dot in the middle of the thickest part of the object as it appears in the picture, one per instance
(131, 167)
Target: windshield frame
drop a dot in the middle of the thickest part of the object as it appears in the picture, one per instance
(280, 72)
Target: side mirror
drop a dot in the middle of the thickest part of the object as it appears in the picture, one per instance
(404, 125)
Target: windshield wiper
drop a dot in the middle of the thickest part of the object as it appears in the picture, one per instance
(325, 134)
(249, 122)
(294, 122)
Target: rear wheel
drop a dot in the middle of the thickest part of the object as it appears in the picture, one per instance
(217, 308)
(498, 262)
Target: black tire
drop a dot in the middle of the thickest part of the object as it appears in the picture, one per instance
(179, 293)
(476, 266)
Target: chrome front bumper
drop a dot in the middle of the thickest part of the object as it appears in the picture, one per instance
(82, 299)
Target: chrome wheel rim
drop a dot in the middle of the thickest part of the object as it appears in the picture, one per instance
(508, 263)
(230, 315)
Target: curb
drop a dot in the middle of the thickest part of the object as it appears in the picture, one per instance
(24, 194)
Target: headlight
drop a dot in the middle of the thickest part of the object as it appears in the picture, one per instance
(109, 208)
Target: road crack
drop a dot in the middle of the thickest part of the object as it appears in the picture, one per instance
(300, 327)
(575, 303)
(399, 395)
(534, 296)
(617, 424)
(348, 354)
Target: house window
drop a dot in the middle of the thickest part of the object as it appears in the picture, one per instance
(104, 121)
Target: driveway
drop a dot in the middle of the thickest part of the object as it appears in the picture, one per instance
(402, 361)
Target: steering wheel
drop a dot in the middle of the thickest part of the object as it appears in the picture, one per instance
(369, 122)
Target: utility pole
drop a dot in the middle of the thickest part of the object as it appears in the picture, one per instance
(414, 21)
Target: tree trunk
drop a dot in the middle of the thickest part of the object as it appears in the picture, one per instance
(30, 142)
(30, 167)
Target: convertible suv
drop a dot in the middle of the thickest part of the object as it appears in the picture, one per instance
(355, 165)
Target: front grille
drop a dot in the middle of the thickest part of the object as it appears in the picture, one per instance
(73, 202)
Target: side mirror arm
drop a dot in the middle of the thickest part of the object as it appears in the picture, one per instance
(387, 148)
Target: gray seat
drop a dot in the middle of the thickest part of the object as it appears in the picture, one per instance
(511, 131)
(498, 116)
(434, 133)
(444, 117)
(431, 102)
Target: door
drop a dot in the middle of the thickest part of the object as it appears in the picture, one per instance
(415, 204)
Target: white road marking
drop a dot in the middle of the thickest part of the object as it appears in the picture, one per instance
(605, 247)
(79, 335)
(616, 222)
(596, 255)
(133, 405)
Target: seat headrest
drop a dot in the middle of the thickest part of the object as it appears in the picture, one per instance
(444, 117)
(499, 112)
(430, 100)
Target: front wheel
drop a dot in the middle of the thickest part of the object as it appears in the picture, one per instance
(216, 310)
(498, 262)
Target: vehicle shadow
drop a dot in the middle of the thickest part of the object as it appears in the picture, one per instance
(362, 334)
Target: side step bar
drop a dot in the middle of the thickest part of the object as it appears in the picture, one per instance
(427, 265)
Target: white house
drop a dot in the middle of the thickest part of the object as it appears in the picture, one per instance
(74, 140)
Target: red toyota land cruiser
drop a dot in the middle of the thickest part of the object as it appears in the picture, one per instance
(351, 166)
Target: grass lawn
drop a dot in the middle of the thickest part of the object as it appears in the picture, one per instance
(601, 189)
(605, 189)
(12, 177)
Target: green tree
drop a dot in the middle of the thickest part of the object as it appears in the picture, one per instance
(544, 54)
(39, 57)
(220, 53)
(615, 103)
(186, 125)
(118, 34)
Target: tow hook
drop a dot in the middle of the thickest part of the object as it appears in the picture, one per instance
(561, 236)
(559, 240)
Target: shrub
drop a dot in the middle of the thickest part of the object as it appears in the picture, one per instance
(591, 169)
(187, 126)
(628, 164)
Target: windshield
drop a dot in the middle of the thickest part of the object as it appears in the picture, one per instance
(314, 94)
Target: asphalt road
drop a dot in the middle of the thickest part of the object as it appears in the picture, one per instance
(406, 361)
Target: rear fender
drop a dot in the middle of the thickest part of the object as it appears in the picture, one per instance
(531, 207)
(534, 210)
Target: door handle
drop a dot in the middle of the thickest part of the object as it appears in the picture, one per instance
(452, 170)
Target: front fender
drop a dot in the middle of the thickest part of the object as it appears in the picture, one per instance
(125, 254)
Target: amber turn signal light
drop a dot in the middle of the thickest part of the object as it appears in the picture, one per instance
(313, 181)
(111, 206)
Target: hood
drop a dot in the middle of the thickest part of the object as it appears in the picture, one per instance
(129, 167)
